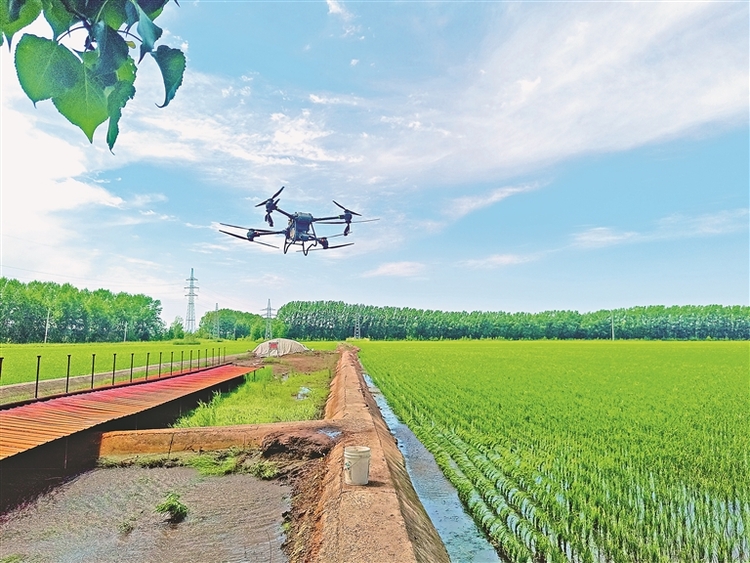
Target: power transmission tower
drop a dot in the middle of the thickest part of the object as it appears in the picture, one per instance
(357, 326)
(269, 318)
(191, 295)
(216, 321)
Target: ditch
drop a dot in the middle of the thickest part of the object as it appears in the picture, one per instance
(463, 540)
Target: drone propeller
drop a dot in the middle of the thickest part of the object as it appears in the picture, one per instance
(270, 204)
(347, 211)
(247, 239)
(274, 196)
(347, 217)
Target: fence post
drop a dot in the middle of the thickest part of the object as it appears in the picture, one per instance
(199, 358)
(36, 389)
(212, 356)
(131, 366)
(148, 354)
(93, 362)
(225, 354)
(1, 368)
(160, 353)
(206, 358)
(182, 360)
(67, 376)
(171, 362)
(114, 363)
(190, 365)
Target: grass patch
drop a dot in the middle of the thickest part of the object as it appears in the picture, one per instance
(173, 507)
(264, 398)
(214, 463)
(263, 469)
(127, 526)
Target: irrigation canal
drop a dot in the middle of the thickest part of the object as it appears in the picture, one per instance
(462, 539)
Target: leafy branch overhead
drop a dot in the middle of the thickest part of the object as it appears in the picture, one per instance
(91, 85)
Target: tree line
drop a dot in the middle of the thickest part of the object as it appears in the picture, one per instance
(336, 320)
(231, 324)
(50, 312)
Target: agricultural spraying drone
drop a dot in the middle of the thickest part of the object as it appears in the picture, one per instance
(300, 228)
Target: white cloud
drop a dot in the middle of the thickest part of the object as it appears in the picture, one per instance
(335, 7)
(565, 81)
(499, 261)
(603, 236)
(333, 100)
(722, 222)
(397, 269)
(676, 226)
(464, 205)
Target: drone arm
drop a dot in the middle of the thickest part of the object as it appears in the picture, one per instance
(333, 218)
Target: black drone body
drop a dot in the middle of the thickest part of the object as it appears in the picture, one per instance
(300, 229)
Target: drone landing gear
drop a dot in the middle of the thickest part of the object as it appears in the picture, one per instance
(287, 244)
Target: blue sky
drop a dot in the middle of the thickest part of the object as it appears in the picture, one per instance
(520, 157)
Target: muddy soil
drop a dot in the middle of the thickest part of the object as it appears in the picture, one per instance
(107, 515)
(303, 362)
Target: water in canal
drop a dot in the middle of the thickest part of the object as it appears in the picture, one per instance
(463, 540)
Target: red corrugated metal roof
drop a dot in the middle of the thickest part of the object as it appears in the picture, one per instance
(27, 426)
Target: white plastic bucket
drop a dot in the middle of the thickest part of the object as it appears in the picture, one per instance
(356, 465)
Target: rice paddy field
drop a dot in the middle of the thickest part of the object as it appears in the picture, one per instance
(585, 451)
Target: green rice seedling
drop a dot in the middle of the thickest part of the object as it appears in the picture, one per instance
(585, 451)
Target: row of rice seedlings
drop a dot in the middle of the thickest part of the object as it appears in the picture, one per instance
(614, 498)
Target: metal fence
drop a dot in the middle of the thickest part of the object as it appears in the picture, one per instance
(188, 361)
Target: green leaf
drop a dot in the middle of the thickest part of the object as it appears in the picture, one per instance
(117, 99)
(148, 31)
(57, 16)
(112, 50)
(152, 7)
(14, 9)
(45, 68)
(84, 105)
(126, 72)
(172, 65)
(113, 13)
(16, 16)
(90, 58)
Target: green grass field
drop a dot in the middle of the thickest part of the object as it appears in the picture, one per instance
(19, 360)
(264, 398)
(585, 451)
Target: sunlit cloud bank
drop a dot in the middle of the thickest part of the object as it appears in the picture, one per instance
(550, 83)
